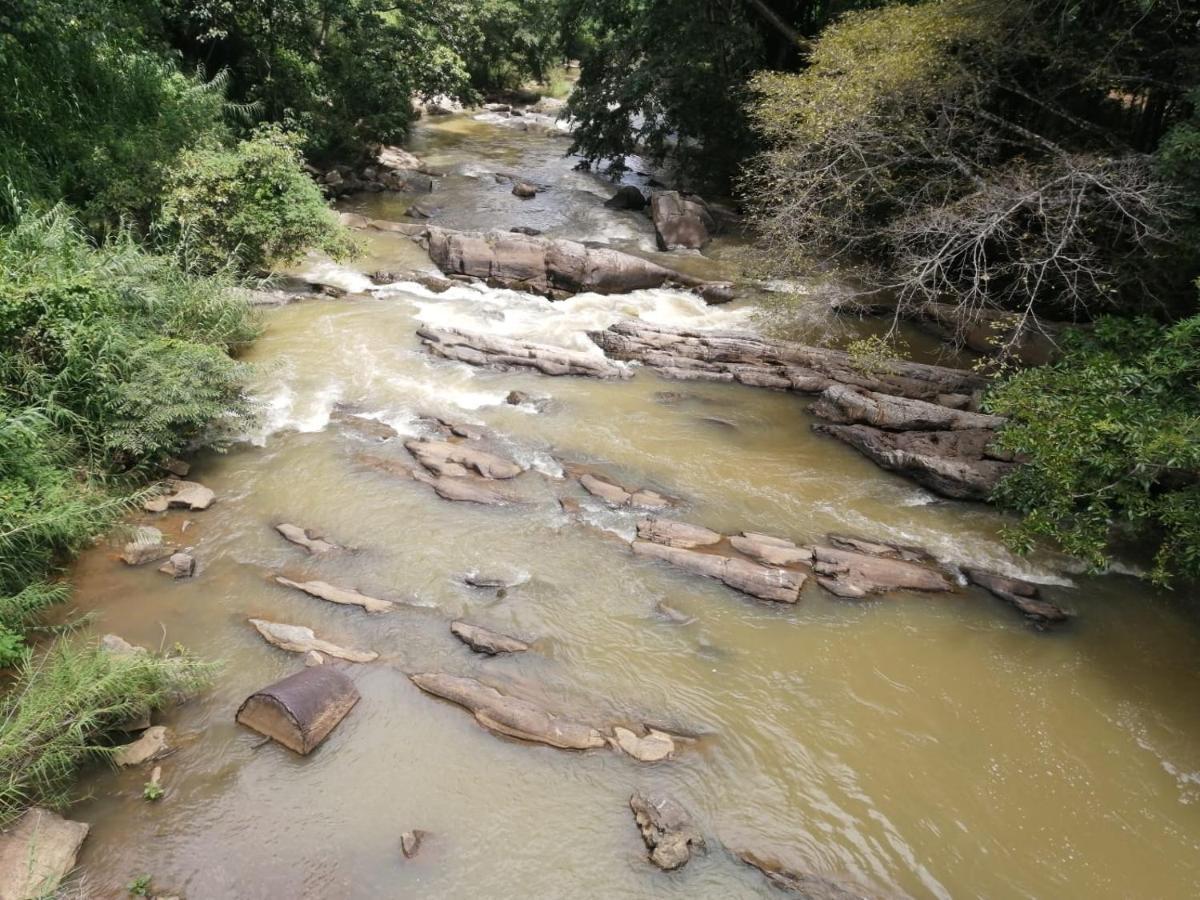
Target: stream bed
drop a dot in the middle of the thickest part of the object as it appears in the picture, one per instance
(925, 746)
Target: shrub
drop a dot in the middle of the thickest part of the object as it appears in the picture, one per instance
(1111, 435)
(249, 207)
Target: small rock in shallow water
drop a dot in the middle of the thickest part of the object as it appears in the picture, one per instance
(653, 747)
(147, 546)
(298, 639)
(305, 537)
(180, 565)
(481, 640)
(667, 830)
(524, 190)
(153, 743)
(805, 884)
(346, 596)
(410, 842)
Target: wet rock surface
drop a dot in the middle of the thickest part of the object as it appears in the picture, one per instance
(154, 743)
(179, 565)
(615, 494)
(666, 828)
(852, 574)
(509, 716)
(653, 746)
(181, 495)
(680, 223)
(310, 540)
(343, 596)
(1023, 596)
(37, 852)
(803, 884)
(456, 460)
(481, 640)
(299, 639)
(508, 353)
(301, 710)
(147, 546)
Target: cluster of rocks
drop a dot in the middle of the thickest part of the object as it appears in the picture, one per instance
(916, 419)
(393, 169)
(148, 544)
(605, 488)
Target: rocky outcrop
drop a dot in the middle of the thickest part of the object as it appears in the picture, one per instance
(762, 362)
(1023, 596)
(845, 405)
(803, 884)
(37, 852)
(680, 223)
(509, 716)
(310, 540)
(298, 639)
(487, 642)
(852, 574)
(670, 533)
(506, 354)
(456, 460)
(466, 488)
(667, 830)
(343, 596)
(955, 464)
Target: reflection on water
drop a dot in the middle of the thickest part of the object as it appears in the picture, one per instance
(931, 746)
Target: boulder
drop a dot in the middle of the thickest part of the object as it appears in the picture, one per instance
(147, 546)
(410, 842)
(487, 642)
(310, 540)
(715, 293)
(298, 639)
(676, 534)
(37, 852)
(763, 582)
(667, 830)
(362, 425)
(955, 464)
(180, 565)
(803, 884)
(507, 354)
(301, 710)
(181, 494)
(154, 743)
(1024, 596)
(680, 223)
(882, 549)
(769, 550)
(524, 190)
(653, 746)
(627, 197)
(344, 596)
(455, 460)
(852, 575)
(509, 716)
(398, 158)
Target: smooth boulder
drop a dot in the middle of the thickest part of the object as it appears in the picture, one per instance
(147, 546)
(627, 197)
(680, 223)
(481, 640)
(310, 540)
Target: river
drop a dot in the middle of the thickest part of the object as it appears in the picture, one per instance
(929, 746)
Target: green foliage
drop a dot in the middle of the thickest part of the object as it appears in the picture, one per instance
(63, 704)
(1111, 434)
(249, 207)
(90, 111)
(510, 41)
(140, 886)
(152, 791)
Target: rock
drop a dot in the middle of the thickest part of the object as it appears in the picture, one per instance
(180, 565)
(332, 178)
(544, 265)
(454, 460)
(763, 582)
(495, 580)
(498, 107)
(850, 406)
(310, 540)
(333, 594)
(550, 106)
(853, 575)
(313, 658)
(772, 551)
(667, 830)
(147, 546)
(763, 362)
(881, 549)
(618, 495)
(717, 292)
(398, 158)
(118, 646)
(410, 842)
(183, 494)
(153, 744)
(525, 230)
(465, 488)
(506, 354)
(671, 614)
(654, 746)
(520, 398)
(507, 715)
(177, 467)
(370, 428)
(301, 710)
(676, 534)
(524, 190)
(483, 641)
(451, 428)
(420, 210)
(804, 884)
(679, 223)
(298, 639)
(626, 197)
(1024, 596)
(384, 276)
(951, 463)
(37, 852)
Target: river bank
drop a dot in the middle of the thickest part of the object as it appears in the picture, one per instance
(922, 745)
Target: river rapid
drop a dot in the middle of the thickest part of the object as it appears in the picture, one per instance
(925, 746)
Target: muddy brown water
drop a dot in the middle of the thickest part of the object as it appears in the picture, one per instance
(923, 746)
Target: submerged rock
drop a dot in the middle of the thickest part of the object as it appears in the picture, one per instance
(344, 596)
(507, 353)
(147, 546)
(616, 494)
(362, 425)
(301, 710)
(467, 488)
(1024, 596)
(805, 884)
(667, 829)
(298, 639)
(155, 742)
(509, 716)
(763, 582)
(483, 641)
(680, 223)
(524, 190)
(118, 646)
(307, 538)
(37, 852)
(454, 460)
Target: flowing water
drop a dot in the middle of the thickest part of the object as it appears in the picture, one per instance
(923, 746)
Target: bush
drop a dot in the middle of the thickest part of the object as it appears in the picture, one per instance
(249, 207)
(1111, 435)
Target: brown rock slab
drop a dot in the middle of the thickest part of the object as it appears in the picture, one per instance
(755, 579)
(509, 716)
(455, 460)
(653, 746)
(147, 546)
(298, 639)
(37, 852)
(345, 596)
(852, 575)
(1024, 596)
(667, 830)
(508, 353)
(153, 744)
(676, 534)
(770, 550)
(680, 223)
(301, 710)
(307, 538)
(481, 640)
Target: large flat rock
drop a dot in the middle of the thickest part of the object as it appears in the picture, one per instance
(37, 852)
